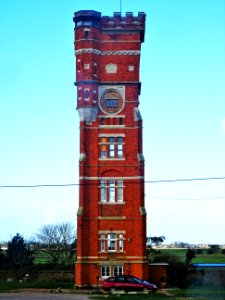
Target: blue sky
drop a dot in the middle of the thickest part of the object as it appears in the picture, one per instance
(182, 105)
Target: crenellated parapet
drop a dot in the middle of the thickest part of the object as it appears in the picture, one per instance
(117, 22)
(129, 22)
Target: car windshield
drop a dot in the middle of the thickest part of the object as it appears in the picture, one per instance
(137, 280)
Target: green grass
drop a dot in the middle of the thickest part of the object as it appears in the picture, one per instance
(209, 258)
(179, 253)
(203, 291)
(200, 258)
(41, 257)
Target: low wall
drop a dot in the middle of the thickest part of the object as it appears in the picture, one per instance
(157, 274)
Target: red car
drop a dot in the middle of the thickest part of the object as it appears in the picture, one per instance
(127, 283)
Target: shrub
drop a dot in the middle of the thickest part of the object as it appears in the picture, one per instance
(199, 251)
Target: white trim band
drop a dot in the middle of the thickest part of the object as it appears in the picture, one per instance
(98, 52)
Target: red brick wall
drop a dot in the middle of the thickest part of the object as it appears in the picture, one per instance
(125, 36)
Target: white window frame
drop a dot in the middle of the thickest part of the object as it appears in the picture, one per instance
(111, 190)
(102, 243)
(103, 190)
(111, 147)
(119, 147)
(111, 242)
(120, 244)
(104, 271)
(110, 270)
(117, 270)
(114, 147)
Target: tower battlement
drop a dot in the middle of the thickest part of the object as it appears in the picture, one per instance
(128, 20)
(128, 23)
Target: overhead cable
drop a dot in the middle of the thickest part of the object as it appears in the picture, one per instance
(148, 181)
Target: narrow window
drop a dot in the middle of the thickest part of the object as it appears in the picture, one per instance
(102, 121)
(120, 190)
(78, 65)
(86, 33)
(103, 147)
(94, 96)
(103, 191)
(120, 147)
(102, 243)
(111, 147)
(112, 191)
(120, 121)
(86, 95)
(95, 69)
(111, 242)
(120, 242)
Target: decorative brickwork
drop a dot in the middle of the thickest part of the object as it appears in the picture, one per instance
(111, 219)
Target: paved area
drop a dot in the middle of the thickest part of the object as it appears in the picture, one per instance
(44, 296)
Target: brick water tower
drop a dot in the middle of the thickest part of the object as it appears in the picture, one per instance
(111, 218)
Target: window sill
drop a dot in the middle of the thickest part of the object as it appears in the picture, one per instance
(112, 203)
(107, 158)
(112, 126)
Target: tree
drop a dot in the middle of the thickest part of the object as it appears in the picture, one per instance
(153, 241)
(56, 240)
(190, 254)
(2, 257)
(19, 255)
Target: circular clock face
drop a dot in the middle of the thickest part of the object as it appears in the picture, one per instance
(111, 102)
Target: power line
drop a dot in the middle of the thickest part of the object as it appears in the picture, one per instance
(148, 181)
(185, 199)
(40, 185)
(185, 180)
